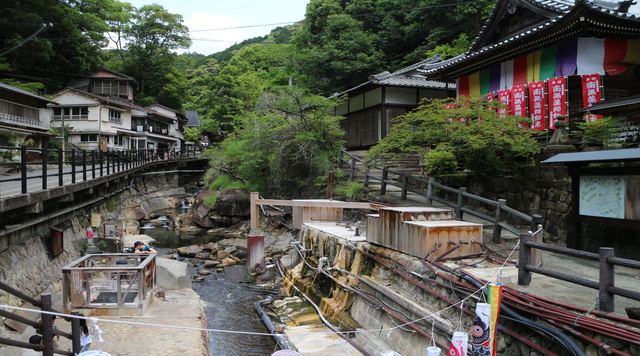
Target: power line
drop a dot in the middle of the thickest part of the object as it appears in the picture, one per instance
(343, 17)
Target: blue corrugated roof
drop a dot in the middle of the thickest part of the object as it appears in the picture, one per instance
(622, 155)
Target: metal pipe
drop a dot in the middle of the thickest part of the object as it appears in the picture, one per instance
(281, 340)
(333, 328)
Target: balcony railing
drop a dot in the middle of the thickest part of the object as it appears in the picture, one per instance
(19, 120)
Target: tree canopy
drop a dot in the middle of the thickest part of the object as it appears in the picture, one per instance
(471, 129)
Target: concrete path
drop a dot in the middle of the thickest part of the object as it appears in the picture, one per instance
(180, 308)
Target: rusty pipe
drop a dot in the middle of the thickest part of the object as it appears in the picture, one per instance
(455, 247)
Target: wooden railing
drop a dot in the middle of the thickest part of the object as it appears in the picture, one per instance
(406, 181)
(46, 324)
(88, 164)
(605, 284)
(121, 280)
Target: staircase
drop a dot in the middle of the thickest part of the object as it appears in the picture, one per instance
(409, 164)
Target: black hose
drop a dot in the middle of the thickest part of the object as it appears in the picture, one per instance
(560, 337)
(282, 340)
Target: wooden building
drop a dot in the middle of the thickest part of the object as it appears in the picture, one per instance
(371, 106)
(548, 57)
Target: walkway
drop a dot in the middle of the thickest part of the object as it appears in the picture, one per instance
(180, 308)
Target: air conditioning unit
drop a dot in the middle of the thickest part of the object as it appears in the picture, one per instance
(139, 128)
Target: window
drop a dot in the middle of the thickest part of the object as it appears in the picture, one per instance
(115, 116)
(116, 88)
(89, 138)
(120, 140)
(74, 113)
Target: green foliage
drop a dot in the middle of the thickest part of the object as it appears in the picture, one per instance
(351, 190)
(441, 160)
(102, 244)
(191, 134)
(602, 132)
(210, 200)
(46, 56)
(477, 135)
(288, 140)
(225, 181)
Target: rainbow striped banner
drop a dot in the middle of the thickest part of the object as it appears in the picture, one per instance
(580, 56)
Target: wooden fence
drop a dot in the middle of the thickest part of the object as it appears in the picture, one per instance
(46, 325)
(407, 181)
(605, 284)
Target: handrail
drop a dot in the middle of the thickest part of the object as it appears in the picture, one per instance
(83, 165)
(500, 205)
(46, 324)
(605, 285)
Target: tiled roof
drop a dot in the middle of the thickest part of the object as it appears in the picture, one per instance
(406, 77)
(192, 119)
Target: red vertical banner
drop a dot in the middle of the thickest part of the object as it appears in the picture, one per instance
(505, 98)
(519, 101)
(591, 93)
(538, 105)
(557, 100)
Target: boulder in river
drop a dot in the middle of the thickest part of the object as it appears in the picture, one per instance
(189, 251)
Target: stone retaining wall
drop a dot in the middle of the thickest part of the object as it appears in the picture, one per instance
(27, 267)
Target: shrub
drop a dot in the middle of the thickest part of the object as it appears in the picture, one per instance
(351, 190)
(602, 132)
(441, 160)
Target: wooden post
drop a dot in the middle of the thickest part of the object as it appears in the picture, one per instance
(459, 205)
(430, 191)
(366, 177)
(497, 229)
(47, 328)
(405, 185)
(352, 170)
(383, 183)
(536, 220)
(255, 239)
(524, 276)
(606, 280)
(75, 332)
(340, 163)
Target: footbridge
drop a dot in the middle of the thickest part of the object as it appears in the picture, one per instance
(38, 197)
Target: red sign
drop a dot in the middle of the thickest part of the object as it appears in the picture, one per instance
(591, 93)
(538, 105)
(557, 100)
(505, 97)
(519, 101)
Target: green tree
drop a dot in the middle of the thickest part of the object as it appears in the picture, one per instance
(473, 131)
(290, 139)
(68, 38)
(151, 39)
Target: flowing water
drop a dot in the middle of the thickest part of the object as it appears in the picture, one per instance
(228, 303)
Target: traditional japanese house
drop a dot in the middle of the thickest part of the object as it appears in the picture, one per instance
(370, 107)
(545, 58)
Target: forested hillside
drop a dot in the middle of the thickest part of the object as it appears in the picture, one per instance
(287, 73)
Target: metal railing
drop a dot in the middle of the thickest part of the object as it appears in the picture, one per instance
(45, 324)
(605, 284)
(104, 281)
(500, 206)
(88, 164)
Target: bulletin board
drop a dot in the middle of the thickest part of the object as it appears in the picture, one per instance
(610, 196)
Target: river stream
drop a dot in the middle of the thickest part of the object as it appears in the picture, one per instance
(229, 305)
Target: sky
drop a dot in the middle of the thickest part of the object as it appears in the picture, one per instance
(215, 25)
